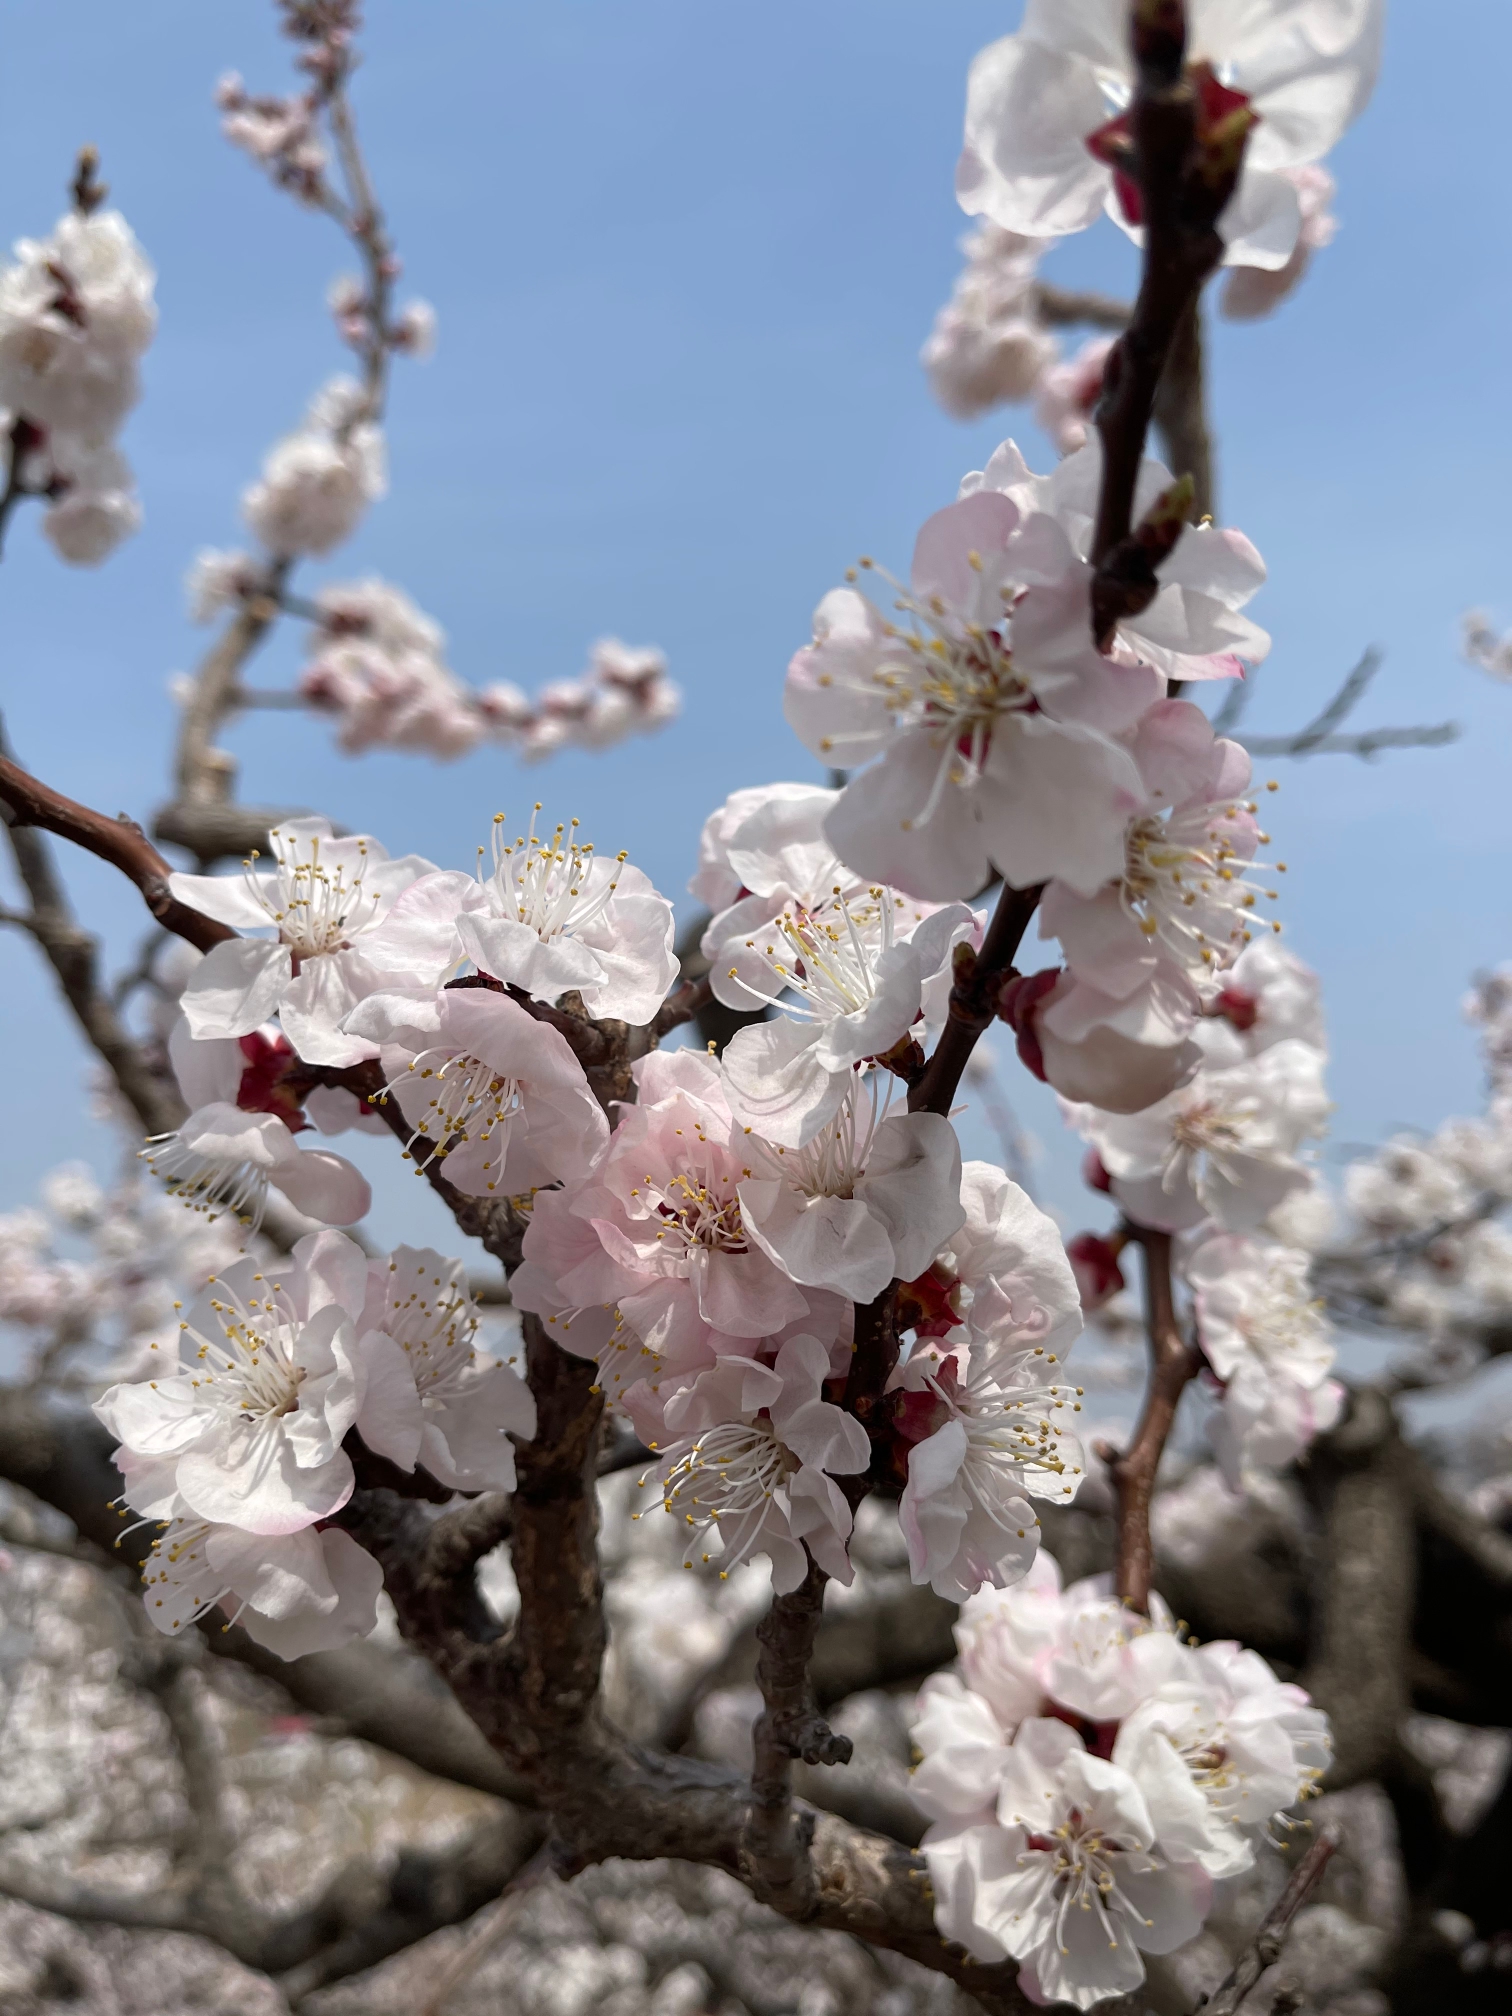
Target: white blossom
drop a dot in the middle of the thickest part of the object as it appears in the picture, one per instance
(988, 343)
(347, 919)
(317, 482)
(550, 916)
(1036, 100)
(269, 1380)
(438, 1401)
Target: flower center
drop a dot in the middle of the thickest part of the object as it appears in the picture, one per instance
(545, 882)
(209, 1184)
(699, 1213)
(434, 1323)
(1185, 882)
(827, 952)
(725, 1481)
(468, 1101)
(317, 909)
(248, 1365)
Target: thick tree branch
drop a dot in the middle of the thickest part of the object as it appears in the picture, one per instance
(1173, 1363)
(535, 1694)
(1364, 1588)
(390, 1699)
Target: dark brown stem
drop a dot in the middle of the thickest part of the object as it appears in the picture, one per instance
(1173, 1363)
(1061, 308)
(1186, 174)
(119, 841)
(973, 1001)
(776, 1841)
(1264, 1950)
(1181, 411)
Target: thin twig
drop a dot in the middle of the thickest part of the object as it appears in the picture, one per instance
(1264, 1950)
(121, 842)
(1319, 737)
(466, 1961)
(973, 1001)
(204, 776)
(1173, 1364)
(1062, 308)
(1186, 174)
(777, 1837)
(1365, 746)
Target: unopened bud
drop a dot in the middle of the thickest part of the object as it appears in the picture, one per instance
(1018, 1002)
(1094, 1262)
(1094, 1175)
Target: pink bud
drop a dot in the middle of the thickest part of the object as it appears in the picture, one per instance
(1094, 1262)
(1018, 1003)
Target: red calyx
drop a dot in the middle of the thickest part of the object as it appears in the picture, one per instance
(264, 1086)
(924, 1306)
(1113, 145)
(1094, 1262)
(1099, 1737)
(1018, 1002)
(1238, 1006)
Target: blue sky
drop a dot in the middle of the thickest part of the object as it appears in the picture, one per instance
(684, 256)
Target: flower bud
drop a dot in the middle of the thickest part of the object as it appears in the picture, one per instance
(1094, 1262)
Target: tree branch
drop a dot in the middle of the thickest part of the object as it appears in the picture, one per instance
(1186, 172)
(1264, 1950)
(1061, 308)
(1173, 1363)
(121, 842)
(775, 1841)
(1364, 1587)
(1180, 411)
(973, 1000)
(535, 1694)
(74, 956)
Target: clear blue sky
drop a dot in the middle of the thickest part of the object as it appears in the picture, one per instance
(684, 256)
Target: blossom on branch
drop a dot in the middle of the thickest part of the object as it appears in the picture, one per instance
(991, 755)
(1224, 1145)
(76, 315)
(295, 1593)
(976, 1403)
(347, 920)
(552, 916)
(499, 1095)
(988, 344)
(1046, 112)
(318, 481)
(1267, 1340)
(438, 1402)
(1088, 1775)
(248, 1431)
(761, 1480)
